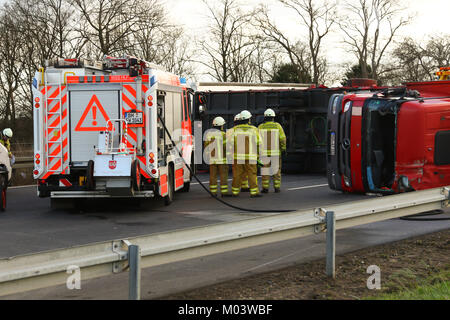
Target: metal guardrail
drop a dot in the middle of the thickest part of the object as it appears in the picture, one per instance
(33, 271)
(23, 162)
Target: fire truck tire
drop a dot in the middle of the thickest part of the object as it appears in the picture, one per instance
(136, 176)
(3, 192)
(171, 189)
(187, 185)
(90, 182)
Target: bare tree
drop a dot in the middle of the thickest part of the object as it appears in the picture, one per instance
(230, 46)
(45, 29)
(164, 44)
(11, 41)
(319, 20)
(438, 49)
(108, 25)
(366, 23)
(296, 51)
(418, 61)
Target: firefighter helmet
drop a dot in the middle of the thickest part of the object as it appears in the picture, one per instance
(218, 122)
(8, 133)
(269, 113)
(237, 117)
(246, 115)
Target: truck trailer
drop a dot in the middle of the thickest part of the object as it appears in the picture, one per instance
(100, 130)
(301, 109)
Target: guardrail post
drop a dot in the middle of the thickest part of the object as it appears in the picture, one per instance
(134, 261)
(331, 244)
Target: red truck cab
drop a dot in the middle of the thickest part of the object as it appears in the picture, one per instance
(392, 141)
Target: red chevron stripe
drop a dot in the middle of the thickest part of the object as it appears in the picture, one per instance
(56, 151)
(130, 89)
(128, 101)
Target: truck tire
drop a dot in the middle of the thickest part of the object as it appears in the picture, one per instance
(187, 185)
(136, 176)
(90, 182)
(171, 189)
(3, 193)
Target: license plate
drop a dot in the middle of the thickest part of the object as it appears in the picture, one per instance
(134, 117)
(332, 143)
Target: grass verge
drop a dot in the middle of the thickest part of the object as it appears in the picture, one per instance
(436, 287)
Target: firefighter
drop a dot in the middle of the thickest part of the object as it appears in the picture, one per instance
(216, 141)
(5, 140)
(245, 142)
(244, 185)
(273, 145)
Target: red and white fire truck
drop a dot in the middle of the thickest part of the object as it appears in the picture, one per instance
(100, 130)
(392, 141)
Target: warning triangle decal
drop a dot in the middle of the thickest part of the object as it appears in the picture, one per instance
(94, 109)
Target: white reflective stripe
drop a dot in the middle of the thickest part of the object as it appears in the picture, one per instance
(274, 148)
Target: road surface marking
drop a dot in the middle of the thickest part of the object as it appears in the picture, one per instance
(309, 187)
(20, 187)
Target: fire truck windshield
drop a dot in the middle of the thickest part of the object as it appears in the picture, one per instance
(379, 143)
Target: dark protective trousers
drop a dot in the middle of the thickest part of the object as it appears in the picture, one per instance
(220, 170)
(240, 172)
(272, 166)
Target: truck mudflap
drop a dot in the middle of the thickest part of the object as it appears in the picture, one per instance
(333, 150)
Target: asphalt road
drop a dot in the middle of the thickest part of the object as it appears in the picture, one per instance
(29, 225)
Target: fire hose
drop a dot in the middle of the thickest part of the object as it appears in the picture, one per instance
(205, 188)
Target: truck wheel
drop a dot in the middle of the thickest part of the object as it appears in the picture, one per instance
(187, 185)
(136, 176)
(171, 190)
(90, 183)
(3, 193)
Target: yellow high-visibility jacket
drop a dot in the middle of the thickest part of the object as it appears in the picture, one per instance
(273, 139)
(216, 153)
(246, 142)
(7, 145)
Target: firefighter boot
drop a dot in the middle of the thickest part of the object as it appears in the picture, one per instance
(258, 195)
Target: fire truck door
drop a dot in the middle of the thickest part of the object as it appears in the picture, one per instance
(89, 113)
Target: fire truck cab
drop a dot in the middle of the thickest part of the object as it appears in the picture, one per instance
(393, 141)
(100, 130)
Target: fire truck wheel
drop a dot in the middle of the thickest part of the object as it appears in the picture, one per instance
(3, 193)
(90, 183)
(136, 176)
(171, 190)
(187, 185)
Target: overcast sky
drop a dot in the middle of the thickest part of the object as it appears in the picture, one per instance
(429, 19)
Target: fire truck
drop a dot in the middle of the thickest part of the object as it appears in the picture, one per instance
(395, 140)
(116, 128)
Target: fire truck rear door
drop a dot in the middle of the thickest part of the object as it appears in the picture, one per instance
(89, 113)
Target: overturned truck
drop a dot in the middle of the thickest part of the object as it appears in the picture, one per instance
(300, 108)
(394, 141)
